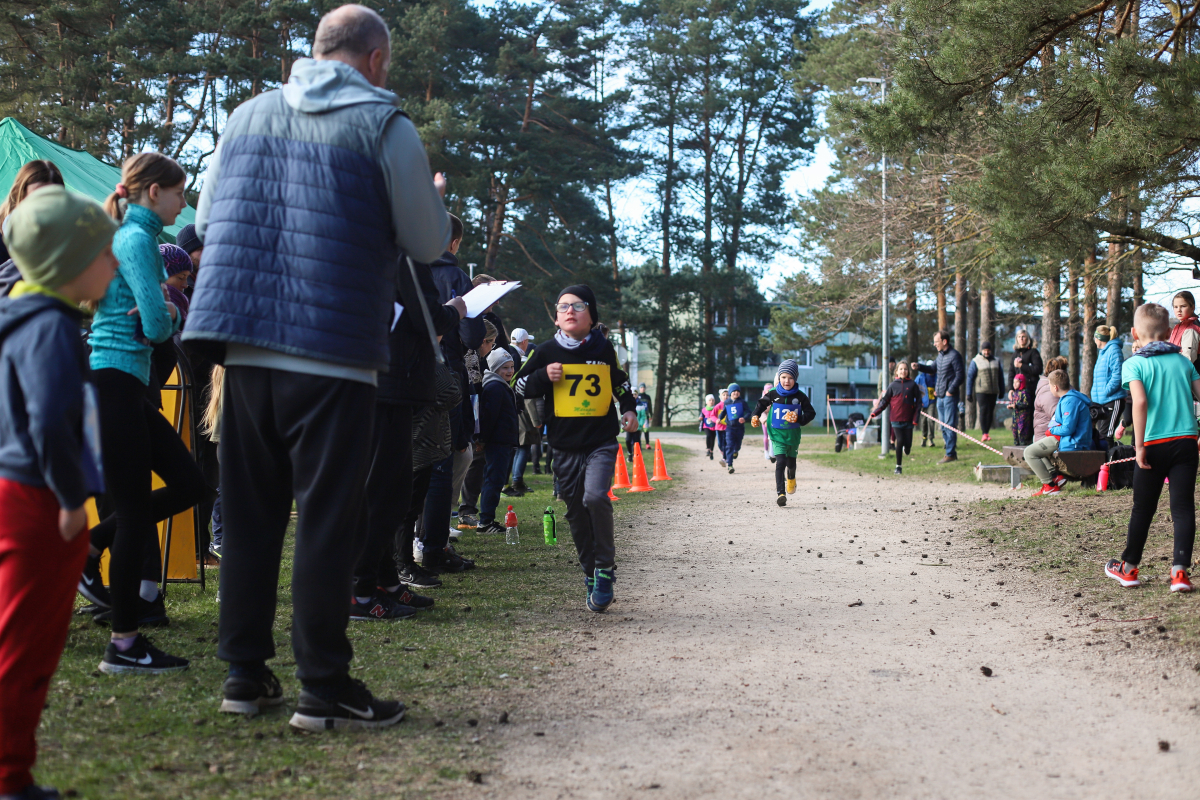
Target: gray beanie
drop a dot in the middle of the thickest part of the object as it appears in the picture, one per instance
(497, 358)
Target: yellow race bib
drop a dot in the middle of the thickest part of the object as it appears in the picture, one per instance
(584, 391)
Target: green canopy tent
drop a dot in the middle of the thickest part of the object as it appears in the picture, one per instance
(83, 172)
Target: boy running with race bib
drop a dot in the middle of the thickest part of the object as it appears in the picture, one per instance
(789, 409)
(578, 374)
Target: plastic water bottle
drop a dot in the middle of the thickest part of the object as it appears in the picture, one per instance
(548, 527)
(511, 536)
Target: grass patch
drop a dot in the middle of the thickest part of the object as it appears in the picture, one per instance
(1068, 538)
(496, 627)
(922, 462)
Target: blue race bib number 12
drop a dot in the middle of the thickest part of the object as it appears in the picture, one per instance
(778, 419)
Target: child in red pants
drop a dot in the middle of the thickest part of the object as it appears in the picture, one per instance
(49, 464)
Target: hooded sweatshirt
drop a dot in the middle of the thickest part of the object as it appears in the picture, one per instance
(329, 180)
(1072, 422)
(45, 404)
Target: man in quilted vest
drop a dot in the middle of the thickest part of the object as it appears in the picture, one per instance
(985, 383)
(313, 193)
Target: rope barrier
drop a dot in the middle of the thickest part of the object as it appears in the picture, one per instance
(960, 433)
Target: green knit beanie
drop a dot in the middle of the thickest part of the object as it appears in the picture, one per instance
(54, 234)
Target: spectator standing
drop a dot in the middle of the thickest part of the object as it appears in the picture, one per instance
(49, 462)
(32, 176)
(1186, 333)
(1027, 359)
(498, 432)
(928, 405)
(645, 411)
(948, 367)
(985, 383)
(312, 195)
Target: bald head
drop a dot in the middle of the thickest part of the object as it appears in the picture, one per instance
(357, 36)
(351, 30)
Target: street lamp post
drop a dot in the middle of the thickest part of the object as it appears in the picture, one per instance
(886, 326)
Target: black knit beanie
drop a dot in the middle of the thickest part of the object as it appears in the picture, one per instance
(188, 240)
(586, 295)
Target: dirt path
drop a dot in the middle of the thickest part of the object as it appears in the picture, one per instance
(734, 665)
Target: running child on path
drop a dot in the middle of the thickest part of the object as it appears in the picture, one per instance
(903, 400)
(722, 424)
(767, 454)
(49, 454)
(708, 422)
(736, 412)
(1163, 384)
(578, 374)
(789, 409)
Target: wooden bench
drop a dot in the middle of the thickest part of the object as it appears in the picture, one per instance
(1078, 464)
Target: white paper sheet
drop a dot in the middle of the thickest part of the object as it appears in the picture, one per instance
(485, 295)
(397, 310)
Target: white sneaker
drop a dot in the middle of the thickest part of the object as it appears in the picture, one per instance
(454, 533)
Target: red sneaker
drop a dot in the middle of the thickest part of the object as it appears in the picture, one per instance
(986, 437)
(1180, 582)
(1047, 489)
(1059, 481)
(1122, 573)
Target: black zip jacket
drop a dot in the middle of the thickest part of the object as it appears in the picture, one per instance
(806, 411)
(576, 433)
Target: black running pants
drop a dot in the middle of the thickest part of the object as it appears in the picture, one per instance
(903, 434)
(388, 494)
(784, 464)
(987, 411)
(1175, 459)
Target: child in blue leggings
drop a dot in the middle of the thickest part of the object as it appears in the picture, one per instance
(735, 423)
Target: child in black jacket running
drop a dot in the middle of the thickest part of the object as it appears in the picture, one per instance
(790, 410)
(577, 373)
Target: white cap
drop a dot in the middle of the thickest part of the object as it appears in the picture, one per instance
(520, 335)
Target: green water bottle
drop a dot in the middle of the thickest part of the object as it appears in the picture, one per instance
(548, 526)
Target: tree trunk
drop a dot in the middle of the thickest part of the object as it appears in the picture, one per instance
(1136, 258)
(943, 316)
(960, 313)
(972, 345)
(1073, 322)
(1050, 318)
(912, 337)
(664, 302)
(1112, 315)
(987, 315)
(1087, 356)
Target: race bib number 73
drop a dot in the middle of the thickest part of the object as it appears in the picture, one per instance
(584, 391)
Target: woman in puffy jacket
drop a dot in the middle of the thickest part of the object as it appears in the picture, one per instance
(1106, 380)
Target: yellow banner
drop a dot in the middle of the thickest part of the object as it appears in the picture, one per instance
(584, 391)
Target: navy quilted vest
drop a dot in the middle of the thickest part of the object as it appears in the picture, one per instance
(299, 253)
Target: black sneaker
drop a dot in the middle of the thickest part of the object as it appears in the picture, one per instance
(379, 607)
(251, 695)
(448, 561)
(214, 549)
(511, 491)
(151, 614)
(491, 527)
(407, 598)
(522, 487)
(142, 658)
(91, 585)
(416, 577)
(782, 500)
(730, 469)
(351, 707)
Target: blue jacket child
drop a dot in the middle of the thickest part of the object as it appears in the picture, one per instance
(1072, 422)
(735, 409)
(499, 432)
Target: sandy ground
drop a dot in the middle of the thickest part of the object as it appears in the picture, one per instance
(736, 662)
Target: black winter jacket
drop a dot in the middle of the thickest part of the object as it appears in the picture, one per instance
(497, 412)
(409, 379)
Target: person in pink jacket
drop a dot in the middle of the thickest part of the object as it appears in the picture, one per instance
(1044, 401)
(708, 422)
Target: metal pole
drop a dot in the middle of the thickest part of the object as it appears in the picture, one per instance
(883, 420)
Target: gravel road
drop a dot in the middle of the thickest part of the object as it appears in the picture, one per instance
(833, 648)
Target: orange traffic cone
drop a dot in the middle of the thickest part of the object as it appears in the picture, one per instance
(621, 479)
(660, 464)
(612, 496)
(639, 472)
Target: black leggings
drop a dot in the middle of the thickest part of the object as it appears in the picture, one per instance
(136, 439)
(710, 436)
(987, 411)
(1176, 460)
(903, 434)
(782, 464)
